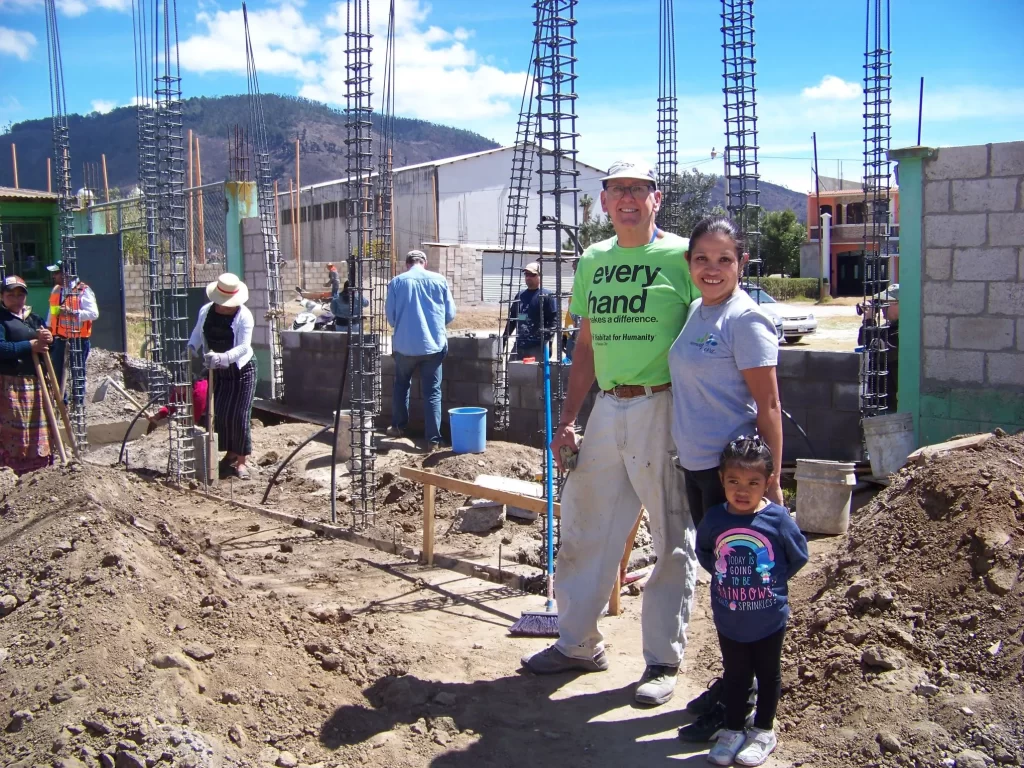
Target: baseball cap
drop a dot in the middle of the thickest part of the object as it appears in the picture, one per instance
(533, 267)
(893, 294)
(55, 267)
(625, 169)
(13, 281)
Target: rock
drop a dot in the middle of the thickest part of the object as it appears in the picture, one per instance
(170, 661)
(441, 739)
(331, 662)
(128, 759)
(267, 459)
(926, 689)
(1001, 580)
(444, 724)
(199, 652)
(237, 735)
(888, 743)
(106, 761)
(7, 604)
(69, 688)
(400, 693)
(19, 718)
(96, 726)
(884, 598)
(1003, 756)
(69, 762)
(90, 577)
(880, 657)
(993, 650)
(481, 519)
(286, 547)
(230, 697)
(445, 699)
(970, 758)
(287, 760)
(110, 559)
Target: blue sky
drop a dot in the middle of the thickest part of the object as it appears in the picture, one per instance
(463, 62)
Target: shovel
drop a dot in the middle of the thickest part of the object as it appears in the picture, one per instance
(101, 392)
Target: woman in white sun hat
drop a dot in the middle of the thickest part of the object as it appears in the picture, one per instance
(224, 336)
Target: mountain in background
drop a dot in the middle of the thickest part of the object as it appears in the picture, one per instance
(321, 130)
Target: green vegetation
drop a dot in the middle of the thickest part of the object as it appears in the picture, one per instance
(781, 238)
(788, 288)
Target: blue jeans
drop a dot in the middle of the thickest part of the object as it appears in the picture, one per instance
(430, 386)
(57, 351)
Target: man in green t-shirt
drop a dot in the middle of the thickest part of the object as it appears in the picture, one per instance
(632, 292)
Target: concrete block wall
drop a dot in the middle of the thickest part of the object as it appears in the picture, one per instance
(135, 281)
(821, 391)
(972, 292)
(461, 266)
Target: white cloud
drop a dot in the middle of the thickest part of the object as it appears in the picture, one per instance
(17, 43)
(103, 105)
(832, 88)
(69, 7)
(281, 40)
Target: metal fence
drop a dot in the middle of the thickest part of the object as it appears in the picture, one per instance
(206, 224)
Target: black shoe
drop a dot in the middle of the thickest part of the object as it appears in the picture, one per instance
(703, 704)
(707, 727)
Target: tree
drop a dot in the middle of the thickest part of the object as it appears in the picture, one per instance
(781, 238)
(593, 229)
(686, 199)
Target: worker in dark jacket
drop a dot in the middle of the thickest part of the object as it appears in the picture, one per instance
(533, 315)
(24, 435)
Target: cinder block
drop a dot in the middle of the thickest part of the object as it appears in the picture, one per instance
(846, 396)
(387, 365)
(988, 333)
(792, 363)
(1020, 264)
(936, 196)
(485, 394)
(937, 263)
(1006, 299)
(1007, 159)
(291, 339)
(954, 298)
(833, 366)
(524, 374)
(1020, 334)
(945, 230)
(487, 349)
(1006, 229)
(984, 195)
(811, 394)
(957, 163)
(837, 428)
(1006, 368)
(935, 331)
(943, 365)
(463, 393)
(985, 264)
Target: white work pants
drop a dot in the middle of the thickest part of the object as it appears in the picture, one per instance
(625, 461)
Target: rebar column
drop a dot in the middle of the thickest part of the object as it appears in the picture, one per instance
(877, 132)
(359, 197)
(513, 235)
(268, 218)
(741, 169)
(173, 253)
(66, 220)
(668, 122)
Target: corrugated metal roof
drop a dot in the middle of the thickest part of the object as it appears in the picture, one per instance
(10, 193)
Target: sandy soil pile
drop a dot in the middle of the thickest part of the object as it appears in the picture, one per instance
(127, 371)
(124, 642)
(907, 649)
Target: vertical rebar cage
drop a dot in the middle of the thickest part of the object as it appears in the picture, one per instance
(741, 168)
(877, 133)
(65, 205)
(668, 121)
(359, 198)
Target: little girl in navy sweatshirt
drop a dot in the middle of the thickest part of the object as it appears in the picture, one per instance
(752, 548)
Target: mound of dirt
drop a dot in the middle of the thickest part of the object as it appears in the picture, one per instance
(908, 648)
(127, 371)
(123, 641)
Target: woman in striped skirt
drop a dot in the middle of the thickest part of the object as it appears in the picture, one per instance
(224, 333)
(24, 435)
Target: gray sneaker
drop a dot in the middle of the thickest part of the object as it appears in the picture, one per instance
(657, 684)
(551, 661)
(395, 432)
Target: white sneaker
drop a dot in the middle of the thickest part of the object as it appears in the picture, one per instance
(729, 744)
(757, 747)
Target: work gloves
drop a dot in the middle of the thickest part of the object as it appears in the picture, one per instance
(215, 360)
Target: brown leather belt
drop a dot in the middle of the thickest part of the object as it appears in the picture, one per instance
(627, 391)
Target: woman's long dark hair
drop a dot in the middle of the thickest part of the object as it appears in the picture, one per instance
(717, 225)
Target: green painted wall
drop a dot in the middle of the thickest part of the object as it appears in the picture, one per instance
(34, 210)
(242, 204)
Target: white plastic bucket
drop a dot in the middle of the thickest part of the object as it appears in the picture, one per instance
(823, 493)
(890, 440)
(344, 440)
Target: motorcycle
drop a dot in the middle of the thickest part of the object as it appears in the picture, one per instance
(315, 316)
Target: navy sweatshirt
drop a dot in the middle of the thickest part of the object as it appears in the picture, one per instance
(751, 559)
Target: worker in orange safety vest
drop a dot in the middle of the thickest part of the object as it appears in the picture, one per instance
(71, 315)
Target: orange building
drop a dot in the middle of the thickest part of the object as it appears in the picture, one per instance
(844, 200)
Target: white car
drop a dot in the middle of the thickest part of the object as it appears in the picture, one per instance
(797, 322)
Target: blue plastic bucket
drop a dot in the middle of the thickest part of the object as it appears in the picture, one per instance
(469, 429)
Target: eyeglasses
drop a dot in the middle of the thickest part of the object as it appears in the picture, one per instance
(636, 191)
(529, 274)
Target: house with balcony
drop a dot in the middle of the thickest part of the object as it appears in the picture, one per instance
(850, 226)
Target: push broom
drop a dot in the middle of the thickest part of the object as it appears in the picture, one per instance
(544, 623)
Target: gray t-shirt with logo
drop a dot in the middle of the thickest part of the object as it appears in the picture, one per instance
(711, 401)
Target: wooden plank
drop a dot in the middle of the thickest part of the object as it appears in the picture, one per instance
(428, 524)
(929, 451)
(530, 503)
(614, 601)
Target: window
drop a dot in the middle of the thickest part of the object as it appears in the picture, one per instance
(27, 248)
(855, 213)
(839, 214)
(330, 210)
(318, 212)
(825, 209)
(286, 217)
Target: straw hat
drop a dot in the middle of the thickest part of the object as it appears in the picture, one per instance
(228, 291)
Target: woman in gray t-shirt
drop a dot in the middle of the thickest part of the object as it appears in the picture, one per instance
(723, 368)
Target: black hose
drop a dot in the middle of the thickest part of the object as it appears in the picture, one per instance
(122, 456)
(291, 456)
(337, 427)
(814, 454)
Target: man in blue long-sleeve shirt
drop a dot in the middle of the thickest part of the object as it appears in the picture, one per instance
(419, 306)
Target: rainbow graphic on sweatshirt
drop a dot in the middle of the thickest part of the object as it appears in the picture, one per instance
(732, 562)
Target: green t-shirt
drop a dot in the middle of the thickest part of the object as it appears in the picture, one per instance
(636, 300)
